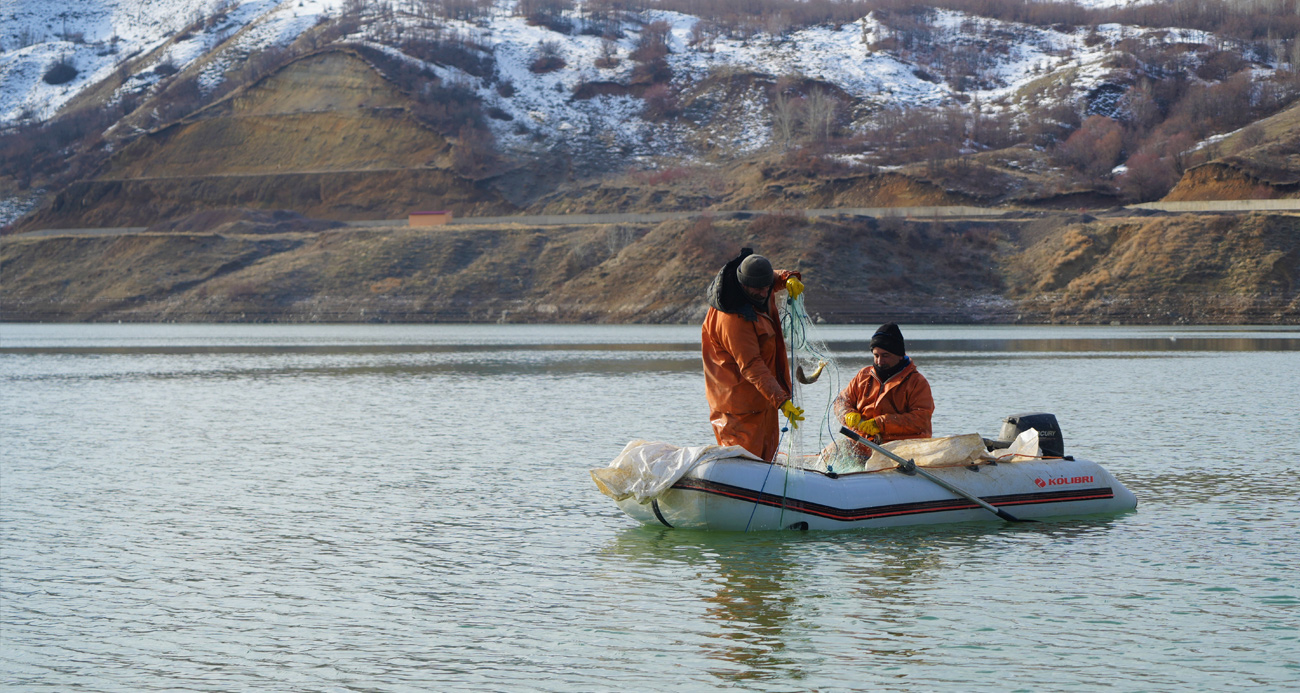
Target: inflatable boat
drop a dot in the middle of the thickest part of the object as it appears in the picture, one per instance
(743, 493)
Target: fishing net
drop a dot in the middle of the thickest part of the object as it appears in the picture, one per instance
(811, 357)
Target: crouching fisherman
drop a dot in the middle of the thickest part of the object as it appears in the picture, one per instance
(890, 399)
(746, 372)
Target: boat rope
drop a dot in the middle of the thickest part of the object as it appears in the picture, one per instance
(763, 487)
(654, 504)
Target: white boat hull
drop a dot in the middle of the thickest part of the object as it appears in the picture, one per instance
(736, 494)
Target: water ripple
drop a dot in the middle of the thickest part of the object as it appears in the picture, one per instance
(408, 519)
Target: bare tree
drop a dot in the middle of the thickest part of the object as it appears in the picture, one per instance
(820, 114)
(703, 36)
(608, 54)
(786, 114)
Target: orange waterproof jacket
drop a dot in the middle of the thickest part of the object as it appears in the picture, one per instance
(902, 405)
(745, 365)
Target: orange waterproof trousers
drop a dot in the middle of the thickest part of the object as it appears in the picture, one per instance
(758, 432)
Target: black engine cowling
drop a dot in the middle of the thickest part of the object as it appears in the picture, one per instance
(1049, 431)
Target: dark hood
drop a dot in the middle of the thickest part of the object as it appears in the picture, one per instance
(726, 294)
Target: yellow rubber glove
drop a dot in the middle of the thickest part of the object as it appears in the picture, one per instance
(868, 428)
(793, 287)
(852, 419)
(793, 413)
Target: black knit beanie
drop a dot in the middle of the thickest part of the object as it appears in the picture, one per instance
(889, 338)
(755, 272)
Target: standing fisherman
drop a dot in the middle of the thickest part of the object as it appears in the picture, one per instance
(746, 373)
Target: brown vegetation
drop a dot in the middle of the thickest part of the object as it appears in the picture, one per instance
(1238, 269)
(1162, 269)
(388, 154)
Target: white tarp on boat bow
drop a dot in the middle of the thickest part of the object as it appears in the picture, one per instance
(645, 469)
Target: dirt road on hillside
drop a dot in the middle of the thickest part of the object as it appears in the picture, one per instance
(937, 212)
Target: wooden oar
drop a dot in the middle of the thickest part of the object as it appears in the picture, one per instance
(909, 467)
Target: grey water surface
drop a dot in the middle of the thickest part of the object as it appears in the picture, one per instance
(408, 508)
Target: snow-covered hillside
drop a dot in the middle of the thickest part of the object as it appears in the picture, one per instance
(841, 56)
(97, 35)
(588, 102)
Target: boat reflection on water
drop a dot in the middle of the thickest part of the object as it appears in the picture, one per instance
(761, 590)
(750, 585)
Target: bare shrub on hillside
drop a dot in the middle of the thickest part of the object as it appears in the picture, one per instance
(58, 151)
(1278, 92)
(406, 75)
(703, 241)
(1217, 107)
(995, 130)
(455, 51)
(1252, 136)
(1094, 148)
(619, 237)
(448, 107)
(1148, 176)
(814, 161)
(652, 44)
(1052, 116)
(744, 20)
(260, 64)
(899, 135)
(27, 37)
(1140, 108)
(606, 10)
(474, 154)
(546, 58)
(180, 99)
(704, 35)
(61, 71)
(653, 72)
(608, 54)
(166, 68)
(547, 13)
(1165, 155)
(599, 18)
(1200, 112)
(660, 103)
(1221, 65)
(777, 24)
(463, 10)
(530, 8)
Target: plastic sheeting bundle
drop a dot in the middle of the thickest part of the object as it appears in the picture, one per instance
(645, 469)
(950, 451)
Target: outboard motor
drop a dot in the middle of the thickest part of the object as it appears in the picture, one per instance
(1049, 432)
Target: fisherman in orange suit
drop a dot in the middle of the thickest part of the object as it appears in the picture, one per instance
(890, 399)
(746, 373)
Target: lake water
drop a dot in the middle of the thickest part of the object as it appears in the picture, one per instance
(408, 508)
